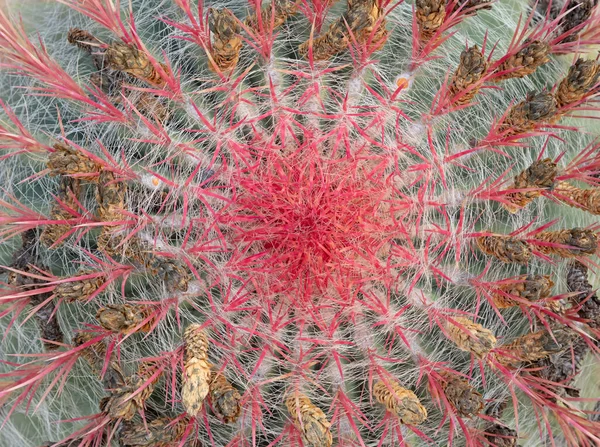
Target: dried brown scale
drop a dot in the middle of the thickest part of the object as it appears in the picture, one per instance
(582, 77)
(283, 9)
(124, 318)
(129, 59)
(536, 109)
(68, 161)
(95, 355)
(310, 421)
(196, 369)
(430, 17)
(526, 287)
(400, 402)
(505, 248)
(501, 436)
(172, 273)
(110, 197)
(79, 290)
(577, 242)
(122, 403)
(160, 432)
(226, 40)
(471, 69)
(580, 11)
(585, 199)
(463, 397)
(225, 399)
(471, 337)
(535, 346)
(528, 59)
(540, 175)
(586, 300)
(68, 192)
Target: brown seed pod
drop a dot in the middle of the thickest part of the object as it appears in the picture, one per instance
(400, 402)
(225, 399)
(123, 402)
(536, 109)
(68, 192)
(310, 421)
(174, 274)
(471, 69)
(527, 287)
(124, 318)
(68, 161)
(584, 199)
(505, 248)
(540, 175)
(161, 432)
(587, 301)
(576, 242)
(196, 369)
(463, 397)
(471, 337)
(79, 290)
(533, 55)
(582, 77)
(279, 10)
(226, 40)
(95, 355)
(334, 41)
(430, 17)
(501, 436)
(579, 12)
(535, 346)
(110, 197)
(129, 59)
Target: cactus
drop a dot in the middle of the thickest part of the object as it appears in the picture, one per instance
(299, 223)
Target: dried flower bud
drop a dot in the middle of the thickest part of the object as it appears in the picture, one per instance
(110, 197)
(95, 355)
(68, 161)
(534, 54)
(68, 193)
(536, 109)
(196, 370)
(430, 17)
(172, 273)
(278, 11)
(501, 436)
(79, 290)
(471, 337)
(124, 318)
(534, 346)
(572, 242)
(526, 287)
(586, 300)
(226, 39)
(471, 69)
(505, 248)
(463, 397)
(540, 175)
(310, 421)
(225, 399)
(584, 199)
(400, 402)
(579, 12)
(582, 77)
(162, 432)
(129, 59)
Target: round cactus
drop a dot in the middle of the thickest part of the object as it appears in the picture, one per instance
(299, 223)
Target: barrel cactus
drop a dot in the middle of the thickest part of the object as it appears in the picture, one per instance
(299, 223)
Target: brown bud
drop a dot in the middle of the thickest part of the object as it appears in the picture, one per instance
(505, 248)
(124, 318)
(573, 242)
(430, 17)
(67, 161)
(535, 346)
(584, 199)
(79, 290)
(527, 287)
(501, 436)
(225, 399)
(527, 60)
(586, 300)
(68, 193)
(540, 175)
(279, 10)
(110, 197)
(579, 12)
(196, 370)
(162, 432)
(536, 109)
(582, 77)
(173, 274)
(471, 69)
(226, 40)
(400, 402)
(310, 421)
(83, 39)
(471, 337)
(463, 397)
(129, 59)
